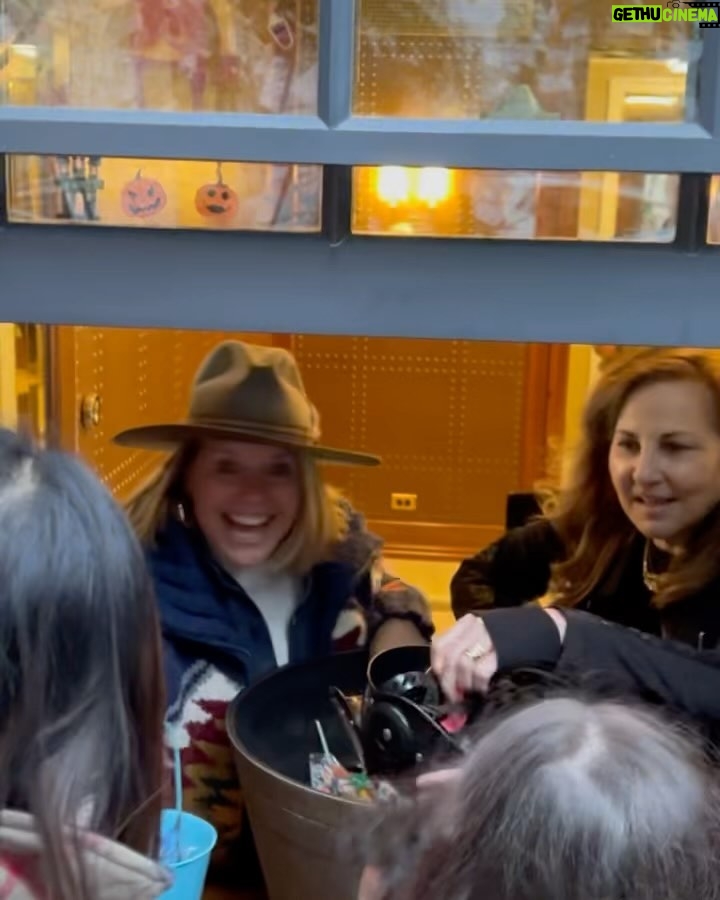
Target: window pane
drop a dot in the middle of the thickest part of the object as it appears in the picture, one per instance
(523, 59)
(180, 55)
(164, 193)
(713, 229)
(23, 377)
(590, 206)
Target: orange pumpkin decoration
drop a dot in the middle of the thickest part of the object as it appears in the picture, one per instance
(217, 201)
(143, 197)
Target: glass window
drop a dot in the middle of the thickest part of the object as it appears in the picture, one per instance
(164, 193)
(523, 59)
(713, 229)
(23, 377)
(226, 55)
(587, 206)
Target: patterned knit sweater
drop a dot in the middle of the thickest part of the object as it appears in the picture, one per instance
(217, 641)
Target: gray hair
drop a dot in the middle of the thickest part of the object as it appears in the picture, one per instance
(563, 800)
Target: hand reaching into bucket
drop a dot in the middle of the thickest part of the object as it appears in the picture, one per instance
(464, 659)
(440, 779)
(371, 884)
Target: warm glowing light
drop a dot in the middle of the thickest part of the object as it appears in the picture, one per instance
(29, 50)
(397, 184)
(393, 185)
(651, 100)
(433, 185)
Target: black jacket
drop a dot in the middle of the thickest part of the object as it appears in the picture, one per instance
(629, 661)
(516, 569)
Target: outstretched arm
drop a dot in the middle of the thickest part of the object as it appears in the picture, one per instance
(572, 642)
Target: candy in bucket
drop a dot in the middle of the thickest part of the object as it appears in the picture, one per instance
(329, 776)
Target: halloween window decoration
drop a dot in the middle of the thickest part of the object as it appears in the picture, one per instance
(281, 30)
(185, 34)
(274, 96)
(161, 193)
(143, 197)
(217, 201)
(78, 181)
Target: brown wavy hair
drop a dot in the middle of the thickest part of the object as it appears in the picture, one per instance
(587, 514)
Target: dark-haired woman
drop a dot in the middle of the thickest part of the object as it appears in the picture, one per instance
(81, 697)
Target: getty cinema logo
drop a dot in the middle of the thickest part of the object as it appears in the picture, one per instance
(704, 13)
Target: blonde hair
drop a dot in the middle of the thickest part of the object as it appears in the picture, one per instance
(586, 512)
(321, 523)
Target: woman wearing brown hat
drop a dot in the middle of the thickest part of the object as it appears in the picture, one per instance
(256, 560)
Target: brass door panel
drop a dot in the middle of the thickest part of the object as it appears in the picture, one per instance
(459, 425)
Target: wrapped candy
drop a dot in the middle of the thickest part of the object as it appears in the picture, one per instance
(329, 776)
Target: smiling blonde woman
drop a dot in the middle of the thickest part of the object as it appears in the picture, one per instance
(256, 560)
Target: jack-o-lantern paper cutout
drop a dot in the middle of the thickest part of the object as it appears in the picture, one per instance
(143, 197)
(217, 201)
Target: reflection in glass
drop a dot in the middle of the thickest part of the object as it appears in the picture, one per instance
(592, 206)
(23, 375)
(520, 59)
(164, 193)
(227, 55)
(713, 229)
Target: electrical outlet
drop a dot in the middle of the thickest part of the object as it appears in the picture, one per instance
(403, 502)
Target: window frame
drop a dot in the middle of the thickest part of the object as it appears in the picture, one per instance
(339, 283)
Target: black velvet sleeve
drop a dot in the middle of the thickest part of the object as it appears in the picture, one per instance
(510, 572)
(596, 652)
(662, 670)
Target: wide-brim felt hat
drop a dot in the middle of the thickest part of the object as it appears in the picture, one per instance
(246, 391)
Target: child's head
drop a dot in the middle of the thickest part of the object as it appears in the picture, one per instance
(562, 800)
(81, 699)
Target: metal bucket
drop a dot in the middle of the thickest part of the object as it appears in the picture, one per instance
(296, 829)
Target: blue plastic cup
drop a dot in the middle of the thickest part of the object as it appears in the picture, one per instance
(185, 852)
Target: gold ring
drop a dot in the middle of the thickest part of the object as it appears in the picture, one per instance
(477, 651)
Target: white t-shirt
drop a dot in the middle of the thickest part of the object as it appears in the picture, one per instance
(276, 595)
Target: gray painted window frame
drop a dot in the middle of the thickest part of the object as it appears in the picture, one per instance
(338, 283)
